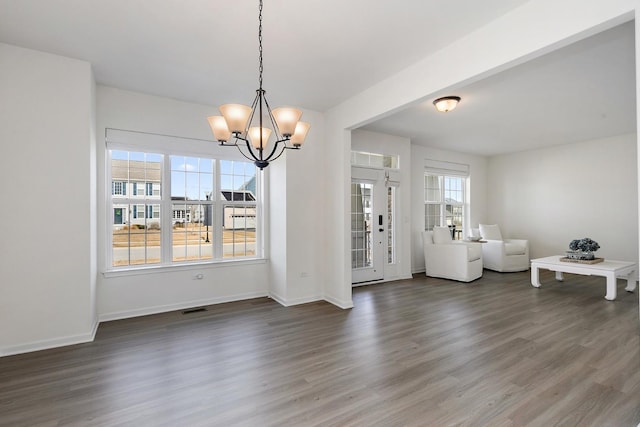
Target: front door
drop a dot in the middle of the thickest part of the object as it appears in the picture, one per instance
(368, 224)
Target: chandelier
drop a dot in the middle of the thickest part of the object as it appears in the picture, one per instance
(250, 128)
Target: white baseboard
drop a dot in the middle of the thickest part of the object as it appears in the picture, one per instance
(296, 301)
(50, 343)
(344, 304)
(125, 314)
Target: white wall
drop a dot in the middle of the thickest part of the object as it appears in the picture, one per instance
(297, 224)
(393, 145)
(509, 40)
(291, 203)
(47, 273)
(477, 193)
(554, 195)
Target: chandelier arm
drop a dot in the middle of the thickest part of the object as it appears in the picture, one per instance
(275, 148)
(253, 154)
(254, 104)
(252, 157)
(279, 154)
(228, 144)
(244, 155)
(261, 96)
(274, 124)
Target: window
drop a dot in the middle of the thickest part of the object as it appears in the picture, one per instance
(374, 160)
(238, 189)
(444, 200)
(118, 188)
(210, 206)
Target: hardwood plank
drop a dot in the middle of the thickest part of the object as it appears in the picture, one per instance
(494, 352)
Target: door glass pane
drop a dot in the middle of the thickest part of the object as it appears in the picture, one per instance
(391, 245)
(361, 212)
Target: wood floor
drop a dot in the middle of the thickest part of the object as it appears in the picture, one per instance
(422, 352)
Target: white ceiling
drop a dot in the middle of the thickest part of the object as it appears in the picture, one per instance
(581, 92)
(317, 53)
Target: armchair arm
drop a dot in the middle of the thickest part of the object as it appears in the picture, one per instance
(495, 255)
(493, 247)
(522, 242)
(446, 260)
(445, 251)
(452, 261)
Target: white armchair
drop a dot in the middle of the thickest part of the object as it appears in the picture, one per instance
(503, 255)
(450, 259)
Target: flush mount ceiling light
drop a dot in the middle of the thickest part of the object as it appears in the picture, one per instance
(446, 103)
(237, 123)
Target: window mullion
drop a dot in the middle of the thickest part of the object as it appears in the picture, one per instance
(166, 236)
(217, 212)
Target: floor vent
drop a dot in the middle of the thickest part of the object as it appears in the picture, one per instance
(194, 310)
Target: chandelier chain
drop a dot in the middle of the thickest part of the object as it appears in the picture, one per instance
(260, 43)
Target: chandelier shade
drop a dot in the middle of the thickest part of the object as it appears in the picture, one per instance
(286, 119)
(219, 128)
(249, 127)
(237, 116)
(259, 137)
(298, 137)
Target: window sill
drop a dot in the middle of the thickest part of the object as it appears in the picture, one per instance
(180, 267)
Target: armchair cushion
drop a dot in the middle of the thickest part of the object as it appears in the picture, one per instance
(490, 232)
(441, 235)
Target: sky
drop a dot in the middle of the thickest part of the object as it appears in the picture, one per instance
(193, 177)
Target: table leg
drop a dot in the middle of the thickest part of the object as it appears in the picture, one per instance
(611, 286)
(559, 276)
(631, 282)
(535, 281)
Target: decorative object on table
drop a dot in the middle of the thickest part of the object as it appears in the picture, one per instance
(582, 261)
(582, 249)
(475, 236)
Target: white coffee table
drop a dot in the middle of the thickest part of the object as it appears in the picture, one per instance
(608, 268)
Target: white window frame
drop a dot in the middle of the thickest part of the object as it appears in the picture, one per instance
(169, 146)
(444, 170)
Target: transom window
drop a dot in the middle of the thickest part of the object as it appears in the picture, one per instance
(169, 209)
